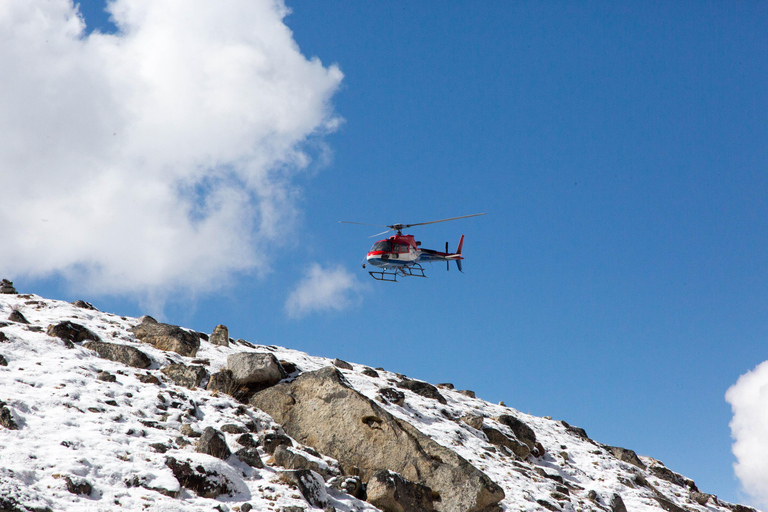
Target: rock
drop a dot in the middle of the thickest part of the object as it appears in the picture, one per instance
(625, 455)
(338, 363)
(105, 377)
(351, 485)
(222, 381)
(78, 486)
(250, 455)
(6, 286)
(370, 372)
(700, 497)
(3, 337)
(499, 439)
(290, 458)
(667, 474)
(187, 430)
(467, 392)
(183, 375)
(17, 317)
(6, 418)
(231, 428)
(473, 420)
(445, 385)
(125, 354)
(289, 367)
(220, 336)
(390, 492)
(204, 483)
(318, 405)
(166, 337)
(424, 389)
(84, 305)
(255, 368)
(148, 378)
(392, 396)
(247, 440)
(617, 504)
(577, 431)
(212, 442)
(310, 485)
(271, 440)
(522, 431)
(3, 361)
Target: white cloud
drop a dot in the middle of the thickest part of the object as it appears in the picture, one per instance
(158, 158)
(323, 289)
(749, 429)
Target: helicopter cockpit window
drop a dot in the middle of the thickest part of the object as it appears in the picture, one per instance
(403, 247)
(383, 245)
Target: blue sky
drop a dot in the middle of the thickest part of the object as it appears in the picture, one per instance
(618, 280)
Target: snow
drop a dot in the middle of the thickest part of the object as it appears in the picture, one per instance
(72, 425)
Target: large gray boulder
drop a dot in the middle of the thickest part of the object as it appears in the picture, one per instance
(167, 337)
(522, 431)
(182, 375)
(320, 409)
(220, 336)
(255, 368)
(72, 332)
(391, 492)
(125, 354)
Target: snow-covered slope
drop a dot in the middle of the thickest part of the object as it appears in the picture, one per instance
(83, 443)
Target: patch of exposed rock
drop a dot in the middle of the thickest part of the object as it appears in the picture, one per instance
(392, 493)
(183, 375)
(212, 442)
(166, 337)
(205, 483)
(71, 332)
(255, 368)
(220, 336)
(125, 354)
(320, 409)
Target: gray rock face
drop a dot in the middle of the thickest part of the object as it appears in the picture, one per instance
(310, 485)
(205, 483)
(72, 332)
(255, 368)
(500, 439)
(18, 317)
(250, 455)
(626, 455)
(338, 363)
(6, 418)
(321, 410)
(473, 420)
(6, 286)
(522, 431)
(167, 337)
(220, 336)
(213, 443)
(183, 375)
(424, 389)
(125, 354)
(392, 493)
(290, 458)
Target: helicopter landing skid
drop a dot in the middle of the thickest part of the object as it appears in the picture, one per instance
(391, 275)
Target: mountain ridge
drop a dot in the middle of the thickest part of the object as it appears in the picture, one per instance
(178, 430)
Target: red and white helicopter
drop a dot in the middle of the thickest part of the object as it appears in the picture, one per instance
(402, 255)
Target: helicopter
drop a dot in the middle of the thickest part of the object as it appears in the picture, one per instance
(402, 254)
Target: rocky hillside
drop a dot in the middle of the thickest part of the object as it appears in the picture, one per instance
(103, 412)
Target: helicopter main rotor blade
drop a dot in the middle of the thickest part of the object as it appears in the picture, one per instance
(379, 234)
(364, 224)
(441, 220)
